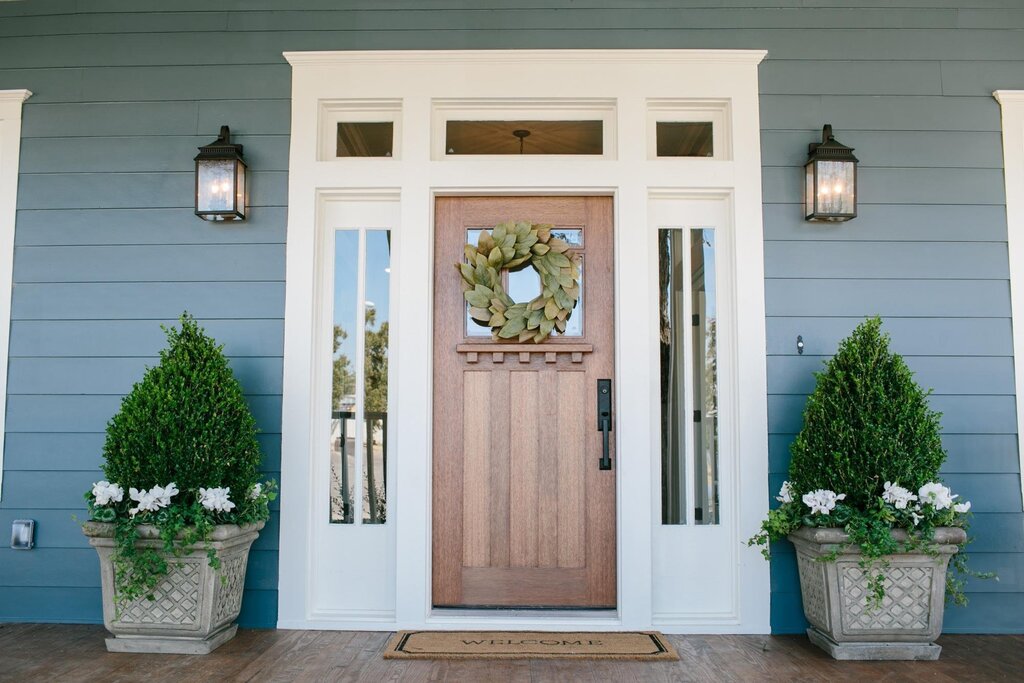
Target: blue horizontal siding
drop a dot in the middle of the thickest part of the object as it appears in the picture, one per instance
(108, 248)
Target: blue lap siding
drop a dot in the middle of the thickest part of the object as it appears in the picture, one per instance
(107, 247)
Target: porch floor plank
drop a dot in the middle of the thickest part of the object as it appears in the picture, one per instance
(62, 652)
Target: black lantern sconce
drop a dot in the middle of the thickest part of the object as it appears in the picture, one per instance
(830, 184)
(220, 180)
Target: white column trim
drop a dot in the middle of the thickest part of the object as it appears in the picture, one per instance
(1012, 102)
(10, 146)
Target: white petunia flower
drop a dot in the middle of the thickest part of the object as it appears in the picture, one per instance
(104, 492)
(152, 500)
(822, 501)
(216, 499)
(962, 507)
(785, 493)
(897, 495)
(257, 489)
(938, 495)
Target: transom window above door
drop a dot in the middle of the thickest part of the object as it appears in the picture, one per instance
(524, 137)
(510, 128)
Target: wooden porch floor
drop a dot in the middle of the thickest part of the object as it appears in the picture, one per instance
(47, 652)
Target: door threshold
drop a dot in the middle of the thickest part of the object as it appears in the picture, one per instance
(526, 614)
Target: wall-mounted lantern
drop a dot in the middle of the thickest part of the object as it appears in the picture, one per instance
(830, 185)
(220, 180)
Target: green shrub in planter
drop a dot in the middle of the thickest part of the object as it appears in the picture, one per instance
(181, 455)
(867, 461)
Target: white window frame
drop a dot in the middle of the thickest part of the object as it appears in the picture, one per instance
(1012, 103)
(10, 149)
(536, 78)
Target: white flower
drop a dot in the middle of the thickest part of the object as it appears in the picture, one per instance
(216, 499)
(257, 489)
(962, 507)
(785, 493)
(152, 500)
(897, 495)
(104, 492)
(938, 495)
(917, 517)
(822, 501)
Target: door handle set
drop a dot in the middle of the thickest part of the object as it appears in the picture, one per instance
(604, 419)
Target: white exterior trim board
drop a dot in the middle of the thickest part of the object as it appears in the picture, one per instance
(10, 147)
(1012, 103)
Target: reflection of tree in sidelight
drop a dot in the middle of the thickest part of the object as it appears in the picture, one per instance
(375, 402)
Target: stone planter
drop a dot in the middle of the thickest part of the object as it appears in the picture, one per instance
(194, 610)
(835, 597)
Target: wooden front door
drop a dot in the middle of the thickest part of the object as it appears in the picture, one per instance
(523, 516)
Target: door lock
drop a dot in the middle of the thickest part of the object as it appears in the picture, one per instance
(604, 419)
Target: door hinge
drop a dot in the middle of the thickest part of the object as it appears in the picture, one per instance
(696, 416)
(696, 319)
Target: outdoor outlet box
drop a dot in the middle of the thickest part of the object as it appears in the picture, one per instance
(23, 534)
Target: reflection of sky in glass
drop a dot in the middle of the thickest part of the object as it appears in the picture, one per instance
(709, 272)
(378, 264)
(346, 259)
(378, 260)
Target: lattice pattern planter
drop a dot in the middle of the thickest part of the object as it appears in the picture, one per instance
(194, 608)
(835, 597)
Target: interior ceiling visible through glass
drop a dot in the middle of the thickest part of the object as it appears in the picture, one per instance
(365, 138)
(685, 139)
(524, 137)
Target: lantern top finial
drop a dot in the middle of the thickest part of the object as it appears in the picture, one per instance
(221, 148)
(829, 148)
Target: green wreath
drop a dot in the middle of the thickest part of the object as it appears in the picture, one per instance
(513, 245)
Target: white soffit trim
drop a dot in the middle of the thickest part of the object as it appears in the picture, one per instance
(1012, 102)
(528, 56)
(10, 145)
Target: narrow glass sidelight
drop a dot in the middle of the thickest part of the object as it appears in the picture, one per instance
(375, 376)
(343, 382)
(359, 385)
(689, 376)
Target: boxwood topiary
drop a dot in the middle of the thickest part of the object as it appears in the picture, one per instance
(867, 460)
(181, 454)
(867, 422)
(186, 421)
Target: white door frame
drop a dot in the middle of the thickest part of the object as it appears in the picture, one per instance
(414, 89)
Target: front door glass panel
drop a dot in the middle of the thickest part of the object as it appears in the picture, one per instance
(524, 284)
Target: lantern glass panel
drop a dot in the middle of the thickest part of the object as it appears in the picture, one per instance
(835, 187)
(240, 189)
(216, 186)
(809, 190)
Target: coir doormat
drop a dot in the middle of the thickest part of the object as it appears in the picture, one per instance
(635, 645)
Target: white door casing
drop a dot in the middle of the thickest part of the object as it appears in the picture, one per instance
(389, 581)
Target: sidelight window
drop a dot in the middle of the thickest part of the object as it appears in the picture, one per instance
(689, 376)
(359, 384)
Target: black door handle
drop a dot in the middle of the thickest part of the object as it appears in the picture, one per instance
(604, 419)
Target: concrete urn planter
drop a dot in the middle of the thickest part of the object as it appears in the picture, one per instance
(194, 609)
(835, 596)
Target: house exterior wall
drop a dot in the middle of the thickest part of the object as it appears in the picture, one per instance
(107, 247)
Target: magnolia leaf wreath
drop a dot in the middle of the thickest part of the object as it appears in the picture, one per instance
(510, 246)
